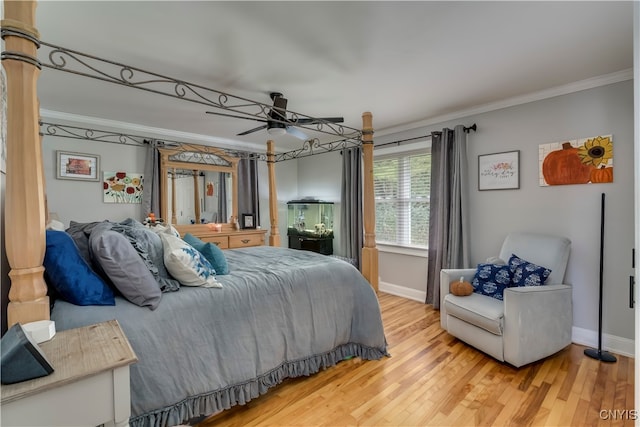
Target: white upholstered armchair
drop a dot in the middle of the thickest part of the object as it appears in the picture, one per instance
(531, 322)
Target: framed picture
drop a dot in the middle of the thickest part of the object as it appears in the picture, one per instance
(248, 221)
(78, 166)
(499, 171)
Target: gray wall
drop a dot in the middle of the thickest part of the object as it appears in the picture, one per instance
(82, 201)
(571, 210)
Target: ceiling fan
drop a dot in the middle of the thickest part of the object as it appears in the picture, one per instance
(277, 115)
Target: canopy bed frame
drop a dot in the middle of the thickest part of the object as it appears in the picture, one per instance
(25, 200)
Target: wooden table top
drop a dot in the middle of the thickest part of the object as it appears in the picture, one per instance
(76, 354)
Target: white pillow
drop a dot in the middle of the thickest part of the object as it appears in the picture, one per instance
(55, 225)
(186, 264)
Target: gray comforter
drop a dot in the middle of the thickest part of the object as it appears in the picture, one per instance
(281, 313)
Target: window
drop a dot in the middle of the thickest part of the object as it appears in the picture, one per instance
(401, 186)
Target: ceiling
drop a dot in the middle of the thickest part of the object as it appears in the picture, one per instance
(403, 61)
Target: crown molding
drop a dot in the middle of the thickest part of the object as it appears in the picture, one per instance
(590, 83)
(148, 131)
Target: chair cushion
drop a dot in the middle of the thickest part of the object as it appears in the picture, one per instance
(479, 310)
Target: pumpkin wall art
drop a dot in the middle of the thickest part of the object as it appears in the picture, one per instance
(122, 187)
(579, 161)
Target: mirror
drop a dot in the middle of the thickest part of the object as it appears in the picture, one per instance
(213, 196)
(199, 185)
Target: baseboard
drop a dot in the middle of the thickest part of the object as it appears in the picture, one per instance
(610, 343)
(587, 337)
(402, 291)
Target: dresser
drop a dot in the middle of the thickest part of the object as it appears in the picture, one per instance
(227, 237)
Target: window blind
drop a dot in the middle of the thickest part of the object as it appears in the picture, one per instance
(401, 187)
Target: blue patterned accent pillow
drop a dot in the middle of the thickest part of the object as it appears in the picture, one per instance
(491, 280)
(526, 273)
(211, 252)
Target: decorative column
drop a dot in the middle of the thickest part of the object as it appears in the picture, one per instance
(25, 215)
(196, 195)
(274, 236)
(174, 204)
(369, 265)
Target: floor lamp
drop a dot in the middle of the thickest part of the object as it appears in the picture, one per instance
(592, 352)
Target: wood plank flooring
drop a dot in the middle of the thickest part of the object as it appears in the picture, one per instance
(433, 379)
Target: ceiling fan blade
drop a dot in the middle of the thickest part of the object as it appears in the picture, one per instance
(297, 133)
(236, 117)
(305, 121)
(246, 132)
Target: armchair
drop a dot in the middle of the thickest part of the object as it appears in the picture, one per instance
(530, 323)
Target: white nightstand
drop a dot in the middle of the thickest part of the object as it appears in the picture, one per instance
(89, 385)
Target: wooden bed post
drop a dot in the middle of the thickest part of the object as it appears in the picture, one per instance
(25, 200)
(196, 195)
(369, 266)
(274, 236)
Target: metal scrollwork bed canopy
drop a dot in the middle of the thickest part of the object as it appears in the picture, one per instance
(25, 206)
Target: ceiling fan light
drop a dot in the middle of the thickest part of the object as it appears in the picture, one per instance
(277, 131)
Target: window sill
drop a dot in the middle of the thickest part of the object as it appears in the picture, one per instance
(403, 250)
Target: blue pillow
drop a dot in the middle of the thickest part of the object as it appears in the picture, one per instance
(211, 252)
(491, 280)
(526, 273)
(70, 275)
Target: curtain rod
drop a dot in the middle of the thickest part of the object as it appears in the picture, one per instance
(466, 129)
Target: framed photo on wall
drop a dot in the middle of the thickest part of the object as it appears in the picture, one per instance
(248, 221)
(499, 171)
(78, 166)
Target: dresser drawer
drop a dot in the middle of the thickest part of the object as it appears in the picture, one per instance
(246, 240)
(221, 241)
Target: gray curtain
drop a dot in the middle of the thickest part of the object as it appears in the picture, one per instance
(151, 185)
(449, 208)
(351, 222)
(222, 214)
(248, 200)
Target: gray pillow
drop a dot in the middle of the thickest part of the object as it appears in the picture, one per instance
(149, 246)
(80, 232)
(125, 269)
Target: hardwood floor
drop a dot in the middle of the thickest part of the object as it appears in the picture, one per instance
(433, 379)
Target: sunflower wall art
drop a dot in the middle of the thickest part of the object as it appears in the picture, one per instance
(122, 187)
(580, 161)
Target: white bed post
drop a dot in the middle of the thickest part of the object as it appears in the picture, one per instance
(274, 235)
(24, 200)
(369, 265)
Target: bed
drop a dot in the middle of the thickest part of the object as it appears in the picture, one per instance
(280, 313)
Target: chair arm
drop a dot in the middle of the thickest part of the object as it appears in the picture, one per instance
(446, 277)
(537, 322)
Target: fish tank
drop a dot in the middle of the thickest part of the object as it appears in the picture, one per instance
(310, 218)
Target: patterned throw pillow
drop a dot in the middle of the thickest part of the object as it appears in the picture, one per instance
(491, 280)
(186, 264)
(211, 252)
(526, 273)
